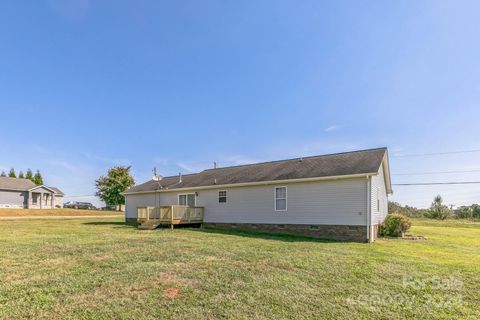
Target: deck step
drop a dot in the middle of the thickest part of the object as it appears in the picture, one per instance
(149, 225)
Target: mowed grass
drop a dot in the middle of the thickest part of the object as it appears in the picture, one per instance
(7, 212)
(102, 268)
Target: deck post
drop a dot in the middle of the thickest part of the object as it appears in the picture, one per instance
(171, 224)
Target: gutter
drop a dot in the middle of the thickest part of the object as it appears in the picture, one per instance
(7, 189)
(369, 207)
(261, 183)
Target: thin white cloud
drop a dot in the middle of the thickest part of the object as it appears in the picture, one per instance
(190, 166)
(115, 161)
(65, 165)
(332, 128)
(314, 148)
(222, 161)
(161, 161)
(237, 160)
(40, 149)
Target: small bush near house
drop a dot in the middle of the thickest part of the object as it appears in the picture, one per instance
(395, 225)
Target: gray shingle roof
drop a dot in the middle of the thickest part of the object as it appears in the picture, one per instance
(339, 164)
(57, 191)
(16, 184)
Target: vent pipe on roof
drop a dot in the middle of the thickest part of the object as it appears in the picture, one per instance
(180, 177)
(214, 181)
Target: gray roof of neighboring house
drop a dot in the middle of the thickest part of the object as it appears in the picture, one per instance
(16, 184)
(57, 191)
(339, 164)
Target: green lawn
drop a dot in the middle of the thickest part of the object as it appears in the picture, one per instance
(101, 268)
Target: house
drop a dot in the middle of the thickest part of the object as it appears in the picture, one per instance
(341, 196)
(24, 194)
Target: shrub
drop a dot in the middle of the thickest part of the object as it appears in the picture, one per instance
(438, 210)
(395, 225)
(464, 213)
(468, 212)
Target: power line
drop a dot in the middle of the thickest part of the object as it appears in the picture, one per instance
(433, 153)
(433, 172)
(434, 183)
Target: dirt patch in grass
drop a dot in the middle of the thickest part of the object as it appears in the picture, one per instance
(13, 277)
(60, 261)
(171, 293)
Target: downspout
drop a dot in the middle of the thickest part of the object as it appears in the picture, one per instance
(126, 212)
(369, 207)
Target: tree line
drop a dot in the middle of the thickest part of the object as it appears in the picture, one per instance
(35, 178)
(437, 210)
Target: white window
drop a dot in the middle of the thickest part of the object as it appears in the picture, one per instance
(280, 198)
(186, 199)
(222, 196)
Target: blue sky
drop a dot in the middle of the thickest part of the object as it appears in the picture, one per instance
(85, 85)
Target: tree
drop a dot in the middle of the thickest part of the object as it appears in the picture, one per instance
(110, 187)
(21, 175)
(3, 174)
(464, 212)
(11, 173)
(29, 175)
(37, 178)
(476, 211)
(395, 207)
(468, 212)
(438, 210)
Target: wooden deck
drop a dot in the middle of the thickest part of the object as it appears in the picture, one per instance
(152, 217)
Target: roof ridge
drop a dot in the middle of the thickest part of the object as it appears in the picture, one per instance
(176, 176)
(15, 178)
(291, 159)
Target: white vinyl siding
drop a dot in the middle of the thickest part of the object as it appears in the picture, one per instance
(13, 199)
(140, 200)
(334, 202)
(379, 198)
(58, 201)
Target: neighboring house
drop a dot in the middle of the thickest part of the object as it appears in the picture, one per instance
(57, 197)
(24, 194)
(341, 196)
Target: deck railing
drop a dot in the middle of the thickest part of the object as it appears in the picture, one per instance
(171, 214)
